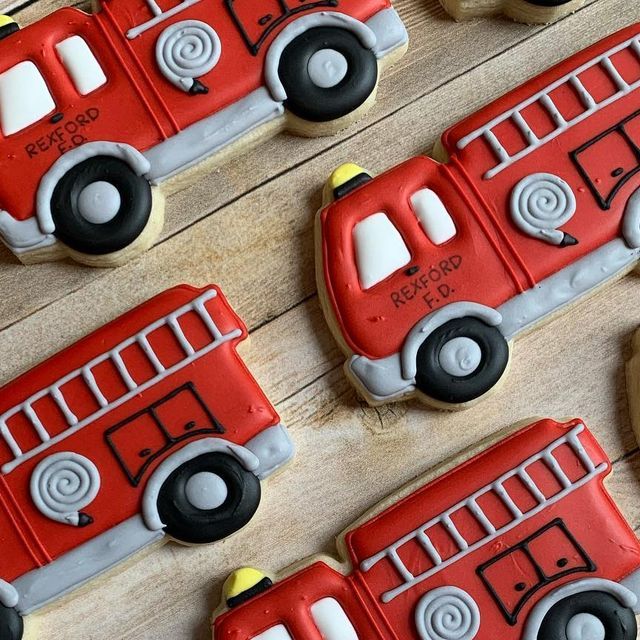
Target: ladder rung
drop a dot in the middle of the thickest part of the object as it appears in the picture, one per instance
(557, 470)
(496, 147)
(585, 96)
(70, 417)
(447, 523)
(524, 127)
(172, 321)
(620, 82)
(427, 545)
(506, 498)
(407, 576)
(580, 451)
(123, 371)
(201, 310)
(150, 353)
(29, 411)
(90, 379)
(550, 106)
(10, 440)
(475, 509)
(635, 45)
(532, 486)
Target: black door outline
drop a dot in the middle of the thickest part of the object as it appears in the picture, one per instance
(172, 441)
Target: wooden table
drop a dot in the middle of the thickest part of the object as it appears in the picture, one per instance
(249, 227)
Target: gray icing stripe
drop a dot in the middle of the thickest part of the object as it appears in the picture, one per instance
(273, 447)
(41, 586)
(8, 595)
(390, 32)
(567, 285)
(208, 136)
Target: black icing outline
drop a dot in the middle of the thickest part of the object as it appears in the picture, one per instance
(172, 441)
(287, 12)
(605, 203)
(245, 596)
(544, 580)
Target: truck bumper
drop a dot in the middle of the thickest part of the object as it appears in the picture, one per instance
(23, 236)
(381, 380)
(632, 582)
(273, 447)
(389, 30)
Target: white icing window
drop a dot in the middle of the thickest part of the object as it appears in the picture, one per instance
(24, 98)
(380, 249)
(83, 67)
(433, 215)
(332, 621)
(275, 633)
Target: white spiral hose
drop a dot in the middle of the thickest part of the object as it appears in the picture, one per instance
(447, 613)
(540, 204)
(187, 50)
(63, 484)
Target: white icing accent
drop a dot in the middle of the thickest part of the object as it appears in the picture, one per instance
(63, 484)
(562, 125)
(297, 28)
(273, 447)
(631, 221)
(99, 202)
(332, 621)
(433, 215)
(115, 357)
(82, 65)
(498, 489)
(278, 632)
(540, 610)
(585, 626)
(460, 357)
(24, 97)
(187, 50)
(8, 595)
(379, 248)
(185, 455)
(206, 491)
(327, 68)
(423, 329)
(540, 204)
(65, 163)
(447, 613)
(159, 17)
(22, 235)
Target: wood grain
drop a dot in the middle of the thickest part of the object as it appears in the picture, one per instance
(248, 227)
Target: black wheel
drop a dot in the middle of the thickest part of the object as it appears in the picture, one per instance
(208, 499)
(327, 74)
(11, 624)
(100, 206)
(461, 360)
(593, 614)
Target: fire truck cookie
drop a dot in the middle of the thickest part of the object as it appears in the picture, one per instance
(528, 11)
(150, 428)
(97, 111)
(519, 542)
(428, 272)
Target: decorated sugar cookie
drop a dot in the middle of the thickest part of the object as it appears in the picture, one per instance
(520, 541)
(151, 428)
(112, 106)
(529, 11)
(428, 272)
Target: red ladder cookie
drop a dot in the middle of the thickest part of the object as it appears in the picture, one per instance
(428, 272)
(151, 427)
(519, 541)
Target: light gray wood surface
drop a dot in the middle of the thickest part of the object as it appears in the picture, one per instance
(248, 227)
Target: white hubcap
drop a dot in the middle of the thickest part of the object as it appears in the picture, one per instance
(585, 626)
(460, 357)
(327, 68)
(99, 202)
(206, 491)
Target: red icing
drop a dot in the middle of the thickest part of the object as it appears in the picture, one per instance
(138, 105)
(219, 378)
(580, 536)
(497, 260)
